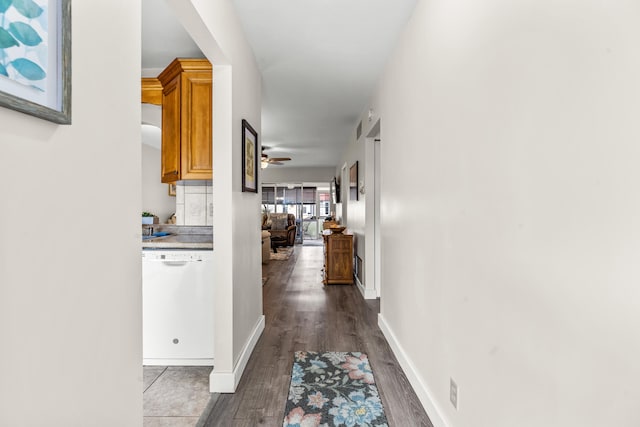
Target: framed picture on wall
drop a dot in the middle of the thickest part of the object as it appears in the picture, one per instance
(250, 163)
(35, 58)
(335, 191)
(353, 181)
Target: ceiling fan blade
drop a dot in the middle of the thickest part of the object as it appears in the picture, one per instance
(279, 159)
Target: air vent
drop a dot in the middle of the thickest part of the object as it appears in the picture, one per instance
(359, 130)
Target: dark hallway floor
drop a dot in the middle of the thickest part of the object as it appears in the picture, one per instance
(303, 314)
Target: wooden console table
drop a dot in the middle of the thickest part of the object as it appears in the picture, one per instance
(338, 257)
(329, 224)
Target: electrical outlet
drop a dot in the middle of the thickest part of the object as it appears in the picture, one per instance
(453, 393)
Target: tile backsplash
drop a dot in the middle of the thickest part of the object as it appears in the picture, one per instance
(194, 203)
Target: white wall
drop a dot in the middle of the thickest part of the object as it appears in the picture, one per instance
(279, 174)
(70, 294)
(354, 213)
(155, 194)
(237, 262)
(511, 210)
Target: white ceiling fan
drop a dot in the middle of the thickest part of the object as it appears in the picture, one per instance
(266, 160)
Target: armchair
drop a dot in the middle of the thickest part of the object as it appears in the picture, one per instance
(282, 227)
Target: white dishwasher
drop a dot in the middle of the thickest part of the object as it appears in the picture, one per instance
(177, 307)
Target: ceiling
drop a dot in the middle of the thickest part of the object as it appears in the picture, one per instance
(163, 38)
(319, 60)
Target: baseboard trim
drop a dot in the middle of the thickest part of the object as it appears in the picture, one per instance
(422, 390)
(367, 293)
(227, 382)
(178, 362)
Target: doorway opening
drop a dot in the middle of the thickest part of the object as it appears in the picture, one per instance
(309, 202)
(373, 251)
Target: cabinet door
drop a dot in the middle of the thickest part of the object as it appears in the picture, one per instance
(196, 152)
(171, 131)
(340, 259)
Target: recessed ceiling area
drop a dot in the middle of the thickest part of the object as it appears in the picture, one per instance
(319, 60)
(151, 136)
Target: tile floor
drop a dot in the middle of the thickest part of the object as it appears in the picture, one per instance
(175, 396)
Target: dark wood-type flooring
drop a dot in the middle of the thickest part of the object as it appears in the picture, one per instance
(303, 314)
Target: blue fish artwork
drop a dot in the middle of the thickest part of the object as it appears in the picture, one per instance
(24, 47)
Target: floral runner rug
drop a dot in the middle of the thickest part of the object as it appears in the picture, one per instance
(333, 389)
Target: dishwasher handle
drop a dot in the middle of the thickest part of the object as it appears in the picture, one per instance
(173, 263)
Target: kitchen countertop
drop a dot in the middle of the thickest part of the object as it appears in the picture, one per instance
(180, 238)
(179, 241)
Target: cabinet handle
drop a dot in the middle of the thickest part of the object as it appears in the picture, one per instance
(175, 172)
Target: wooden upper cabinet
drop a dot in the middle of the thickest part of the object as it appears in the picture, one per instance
(171, 139)
(186, 120)
(151, 92)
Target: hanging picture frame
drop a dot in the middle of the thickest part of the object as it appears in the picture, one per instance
(35, 58)
(250, 164)
(353, 181)
(335, 191)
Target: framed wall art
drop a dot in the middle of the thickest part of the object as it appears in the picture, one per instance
(35, 58)
(335, 191)
(250, 163)
(353, 181)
